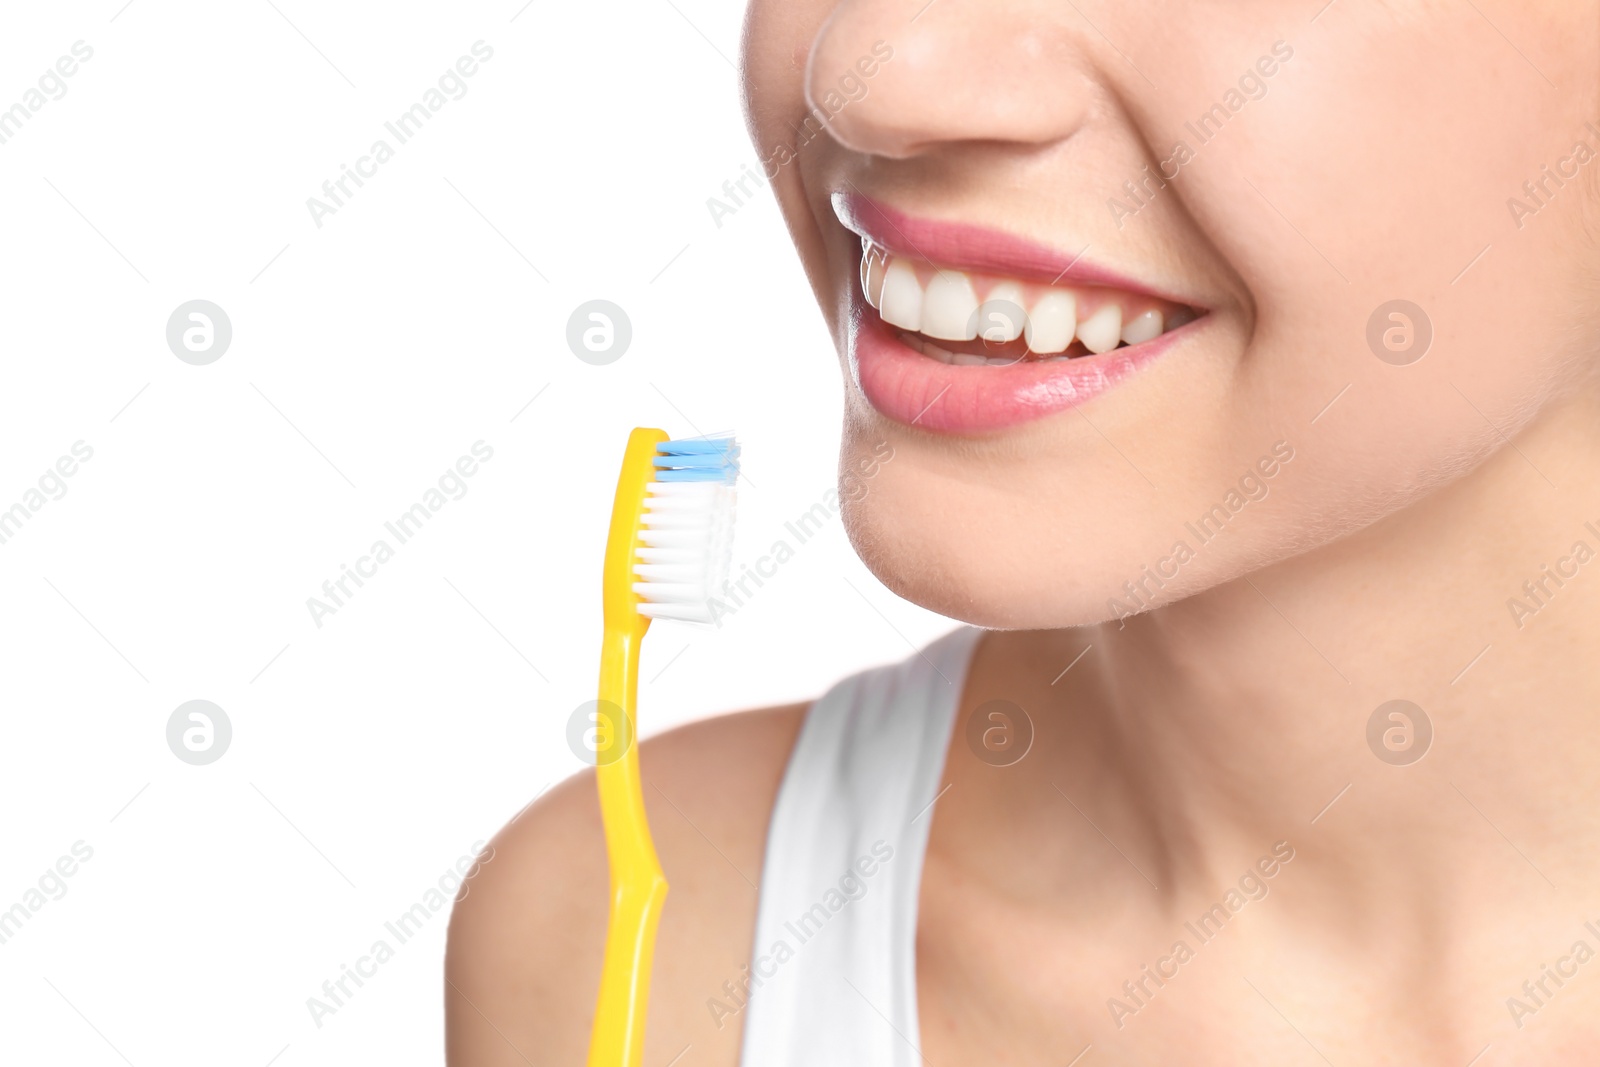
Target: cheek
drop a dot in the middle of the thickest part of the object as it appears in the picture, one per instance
(1508, 343)
(1358, 203)
(776, 45)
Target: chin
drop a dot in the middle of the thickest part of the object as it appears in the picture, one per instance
(965, 569)
(1004, 547)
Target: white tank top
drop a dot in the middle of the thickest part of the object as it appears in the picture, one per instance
(832, 977)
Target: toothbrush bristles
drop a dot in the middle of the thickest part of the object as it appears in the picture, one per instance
(686, 541)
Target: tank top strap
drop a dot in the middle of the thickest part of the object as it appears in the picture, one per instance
(832, 976)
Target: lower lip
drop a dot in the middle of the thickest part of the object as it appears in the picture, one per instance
(917, 390)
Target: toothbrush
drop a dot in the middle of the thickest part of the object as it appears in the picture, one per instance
(668, 550)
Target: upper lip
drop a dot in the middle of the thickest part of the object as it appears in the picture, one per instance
(967, 246)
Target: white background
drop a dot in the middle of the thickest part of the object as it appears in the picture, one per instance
(367, 755)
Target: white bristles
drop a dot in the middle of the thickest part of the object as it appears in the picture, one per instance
(685, 549)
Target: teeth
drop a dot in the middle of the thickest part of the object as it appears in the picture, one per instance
(1001, 318)
(1051, 321)
(960, 359)
(902, 296)
(949, 307)
(872, 264)
(1145, 326)
(1101, 331)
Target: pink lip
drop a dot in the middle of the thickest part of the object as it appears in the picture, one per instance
(913, 389)
(904, 385)
(967, 247)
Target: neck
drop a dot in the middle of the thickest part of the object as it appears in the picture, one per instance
(1201, 733)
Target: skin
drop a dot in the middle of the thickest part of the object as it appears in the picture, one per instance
(1232, 715)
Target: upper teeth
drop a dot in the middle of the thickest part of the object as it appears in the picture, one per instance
(949, 304)
(1051, 322)
(955, 305)
(998, 315)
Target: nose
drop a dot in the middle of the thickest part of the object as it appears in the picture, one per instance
(955, 71)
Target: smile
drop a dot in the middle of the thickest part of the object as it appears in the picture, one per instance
(960, 329)
(997, 321)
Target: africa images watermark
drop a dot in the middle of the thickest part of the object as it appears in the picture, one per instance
(402, 528)
(850, 887)
(1537, 593)
(736, 592)
(51, 485)
(52, 85)
(851, 88)
(51, 885)
(402, 128)
(1142, 593)
(1540, 191)
(453, 882)
(1139, 991)
(1536, 992)
(1252, 85)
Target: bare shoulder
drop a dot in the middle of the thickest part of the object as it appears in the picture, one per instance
(523, 961)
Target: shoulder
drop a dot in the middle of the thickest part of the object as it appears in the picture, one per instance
(522, 964)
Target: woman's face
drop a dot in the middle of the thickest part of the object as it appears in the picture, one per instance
(1201, 219)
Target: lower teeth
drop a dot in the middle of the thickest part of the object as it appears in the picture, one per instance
(968, 359)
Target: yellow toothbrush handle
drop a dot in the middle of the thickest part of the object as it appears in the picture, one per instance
(638, 887)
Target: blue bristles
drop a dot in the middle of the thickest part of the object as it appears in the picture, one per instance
(699, 459)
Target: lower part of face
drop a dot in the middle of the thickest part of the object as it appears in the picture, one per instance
(1371, 233)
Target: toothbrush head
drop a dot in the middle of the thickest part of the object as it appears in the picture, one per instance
(675, 553)
(686, 537)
